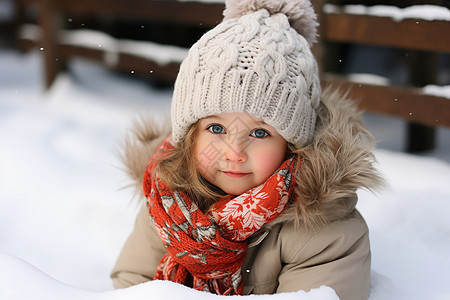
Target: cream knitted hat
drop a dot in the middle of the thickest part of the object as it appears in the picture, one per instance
(257, 60)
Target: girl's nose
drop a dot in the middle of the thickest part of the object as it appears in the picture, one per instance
(235, 152)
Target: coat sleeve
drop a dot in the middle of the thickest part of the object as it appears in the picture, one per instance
(140, 255)
(339, 257)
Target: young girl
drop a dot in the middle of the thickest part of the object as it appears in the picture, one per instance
(254, 189)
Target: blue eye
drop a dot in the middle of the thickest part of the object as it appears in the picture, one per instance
(216, 129)
(259, 133)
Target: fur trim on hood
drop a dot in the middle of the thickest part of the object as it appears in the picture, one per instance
(335, 165)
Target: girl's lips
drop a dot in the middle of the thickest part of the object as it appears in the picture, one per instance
(235, 174)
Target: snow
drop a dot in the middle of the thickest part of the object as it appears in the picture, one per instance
(423, 12)
(436, 90)
(368, 78)
(161, 54)
(41, 286)
(64, 214)
(30, 32)
(112, 47)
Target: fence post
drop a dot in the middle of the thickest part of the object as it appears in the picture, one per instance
(423, 69)
(50, 21)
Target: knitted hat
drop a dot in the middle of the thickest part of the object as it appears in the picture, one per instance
(257, 60)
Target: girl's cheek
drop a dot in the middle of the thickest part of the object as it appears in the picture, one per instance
(206, 154)
(269, 161)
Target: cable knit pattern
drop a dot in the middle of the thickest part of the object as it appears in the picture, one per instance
(256, 63)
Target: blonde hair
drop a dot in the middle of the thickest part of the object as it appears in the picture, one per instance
(179, 171)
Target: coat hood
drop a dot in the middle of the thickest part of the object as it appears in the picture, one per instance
(335, 164)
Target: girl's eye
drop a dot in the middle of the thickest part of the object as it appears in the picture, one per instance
(216, 129)
(259, 133)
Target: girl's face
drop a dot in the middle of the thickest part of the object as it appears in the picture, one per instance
(237, 151)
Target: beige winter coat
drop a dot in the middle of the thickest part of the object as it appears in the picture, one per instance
(285, 255)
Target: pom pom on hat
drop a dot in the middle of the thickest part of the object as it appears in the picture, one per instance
(300, 13)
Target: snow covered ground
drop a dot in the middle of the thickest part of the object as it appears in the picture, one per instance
(64, 216)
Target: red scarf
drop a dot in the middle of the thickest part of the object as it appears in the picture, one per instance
(206, 252)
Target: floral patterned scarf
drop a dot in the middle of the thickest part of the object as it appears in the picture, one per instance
(206, 252)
